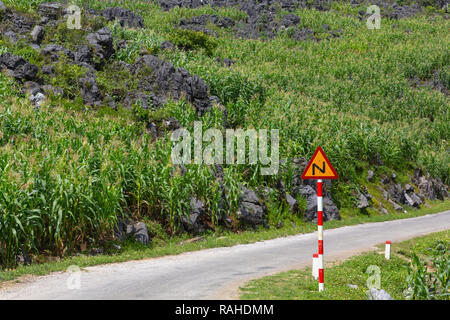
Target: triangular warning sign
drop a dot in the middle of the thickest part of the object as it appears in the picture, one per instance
(319, 167)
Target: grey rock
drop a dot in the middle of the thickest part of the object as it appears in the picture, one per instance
(198, 23)
(126, 17)
(26, 71)
(51, 10)
(412, 200)
(363, 203)
(152, 129)
(397, 207)
(417, 199)
(228, 62)
(251, 214)
(45, 20)
(370, 175)
(409, 188)
(303, 34)
(37, 99)
(306, 191)
(110, 101)
(31, 88)
(215, 100)
(140, 233)
(48, 70)
(396, 11)
(120, 230)
(408, 200)
(137, 230)
(396, 193)
(378, 294)
(171, 123)
(224, 22)
(426, 187)
(53, 50)
(162, 78)
(19, 68)
(431, 188)
(290, 20)
(83, 55)
(251, 211)
(18, 23)
(102, 42)
(330, 211)
(249, 195)
(292, 203)
(23, 258)
(12, 36)
(2, 7)
(384, 179)
(167, 45)
(89, 91)
(11, 62)
(37, 34)
(262, 18)
(193, 222)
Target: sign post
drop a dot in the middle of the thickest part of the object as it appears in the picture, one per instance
(319, 167)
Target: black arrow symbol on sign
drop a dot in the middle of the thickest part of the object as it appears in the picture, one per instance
(318, 168)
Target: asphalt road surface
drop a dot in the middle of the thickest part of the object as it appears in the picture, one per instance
(217, 273)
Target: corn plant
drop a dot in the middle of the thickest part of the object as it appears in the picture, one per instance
(427, 285)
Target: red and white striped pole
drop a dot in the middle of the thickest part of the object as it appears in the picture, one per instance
(320, 232)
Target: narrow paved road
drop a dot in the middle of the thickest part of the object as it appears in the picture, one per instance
(217, 273)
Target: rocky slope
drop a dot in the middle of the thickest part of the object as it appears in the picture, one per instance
(82, 64)
(156, 79)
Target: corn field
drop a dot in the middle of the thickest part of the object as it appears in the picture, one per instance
(68, 171)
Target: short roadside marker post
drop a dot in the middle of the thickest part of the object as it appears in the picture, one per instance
(315, 268)
(387, 250)
(318, 168)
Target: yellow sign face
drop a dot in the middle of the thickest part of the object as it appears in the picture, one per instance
(319, 167)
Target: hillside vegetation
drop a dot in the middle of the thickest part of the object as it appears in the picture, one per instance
(97, 152)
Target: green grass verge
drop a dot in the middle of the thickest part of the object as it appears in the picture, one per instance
(299, 284)
(177, 245)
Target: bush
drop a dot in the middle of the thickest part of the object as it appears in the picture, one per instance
(193, 40)
(138, 40)
(67, 77)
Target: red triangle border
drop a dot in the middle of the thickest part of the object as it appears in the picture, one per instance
(335, 176)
